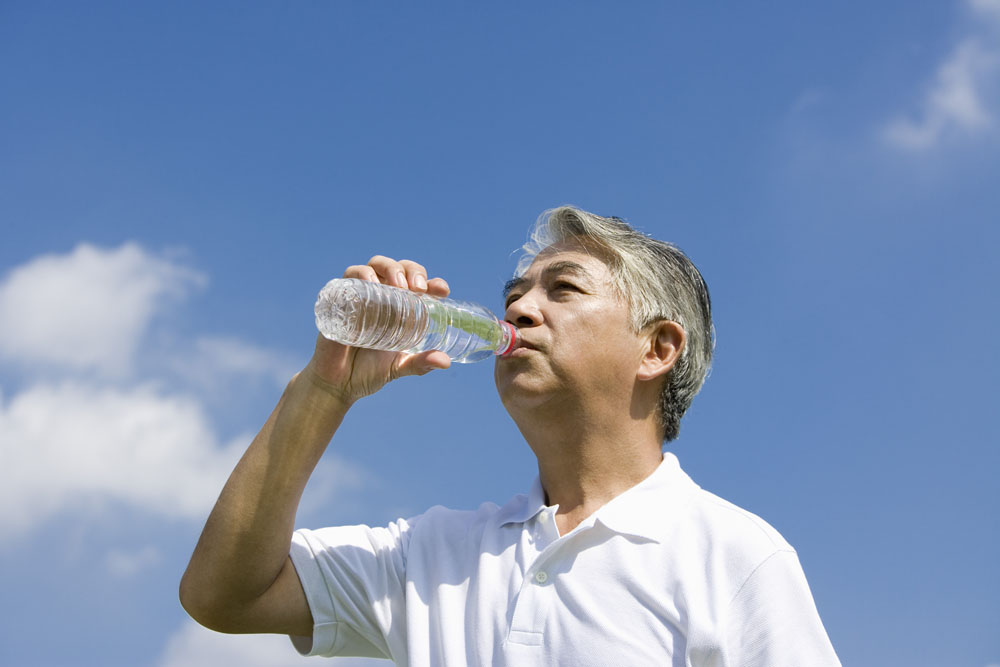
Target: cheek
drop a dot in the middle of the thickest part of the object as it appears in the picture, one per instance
(618, 351)
(607, 325)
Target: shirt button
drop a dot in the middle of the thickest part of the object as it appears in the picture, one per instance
(541, 577)
(544, 517)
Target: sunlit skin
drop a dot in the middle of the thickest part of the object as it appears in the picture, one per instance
(582, 386)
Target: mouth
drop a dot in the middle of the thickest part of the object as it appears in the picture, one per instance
(522, 348)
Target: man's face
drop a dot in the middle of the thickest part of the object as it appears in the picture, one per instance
(576, 342)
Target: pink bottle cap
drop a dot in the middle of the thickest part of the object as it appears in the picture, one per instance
(513, 339)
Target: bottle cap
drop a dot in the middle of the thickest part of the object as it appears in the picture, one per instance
(512, 342)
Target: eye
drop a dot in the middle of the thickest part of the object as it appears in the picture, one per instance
(510, 299)
(563, 285)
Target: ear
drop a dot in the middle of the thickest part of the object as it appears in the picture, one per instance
(665, 342)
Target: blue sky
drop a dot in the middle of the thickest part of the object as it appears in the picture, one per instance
(177, 181)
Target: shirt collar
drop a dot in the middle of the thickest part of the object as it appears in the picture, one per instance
(523, 508)
(649, 508)
(646, 510)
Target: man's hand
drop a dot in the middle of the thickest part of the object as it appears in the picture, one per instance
(351, 373)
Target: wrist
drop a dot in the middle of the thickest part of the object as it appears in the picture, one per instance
(332, 395)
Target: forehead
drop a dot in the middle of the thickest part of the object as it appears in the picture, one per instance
(567, 254)
(579, 259)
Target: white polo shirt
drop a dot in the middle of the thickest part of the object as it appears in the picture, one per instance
(664, 574)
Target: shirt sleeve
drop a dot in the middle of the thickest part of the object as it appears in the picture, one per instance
(354, 578)
(773, 621)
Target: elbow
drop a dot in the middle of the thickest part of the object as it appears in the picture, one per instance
(190, 600)
(199, 604)
(205, 605)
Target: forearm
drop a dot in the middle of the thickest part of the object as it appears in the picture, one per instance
(246, 539)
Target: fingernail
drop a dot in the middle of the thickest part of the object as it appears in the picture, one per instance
(401, 279)
(420, 282)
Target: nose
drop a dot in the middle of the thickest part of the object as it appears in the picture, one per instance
(523, 312)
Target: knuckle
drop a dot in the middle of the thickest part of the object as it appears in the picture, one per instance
(382, 263)
(362, 273)
(412, 267)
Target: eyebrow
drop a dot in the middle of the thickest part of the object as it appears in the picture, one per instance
(553, 269)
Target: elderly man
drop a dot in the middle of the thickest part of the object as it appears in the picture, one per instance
(614, 556)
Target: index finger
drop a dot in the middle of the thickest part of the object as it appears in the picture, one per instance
(404, 273)
(389, 271)
(418, 280)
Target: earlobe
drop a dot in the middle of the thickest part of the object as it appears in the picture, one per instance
(665, 343)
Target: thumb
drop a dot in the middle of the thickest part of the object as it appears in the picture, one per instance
(424, 362)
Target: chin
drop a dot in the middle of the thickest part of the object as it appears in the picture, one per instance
(520, 396)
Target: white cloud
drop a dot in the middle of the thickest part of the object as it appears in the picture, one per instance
(217, 359)
(989, 9)
(72, 443)
(194, 646)
(957, 102)
(953, 103)
(86, 310)
(123, 563)
(78, 445)
(98, 432)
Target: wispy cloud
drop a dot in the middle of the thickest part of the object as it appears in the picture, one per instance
(124, 563)
(215, 360)
(958, 100)
(989, 9)
(194, 646)
(953, 103)
(86, 310)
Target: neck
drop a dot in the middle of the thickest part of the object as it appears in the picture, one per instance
(585, 462)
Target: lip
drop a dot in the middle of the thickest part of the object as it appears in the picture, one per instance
(522, 348)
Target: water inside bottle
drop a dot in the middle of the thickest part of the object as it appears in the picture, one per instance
(465, 332)
(367, 314)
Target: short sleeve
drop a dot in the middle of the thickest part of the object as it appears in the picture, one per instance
(773, 621)
(354, 580)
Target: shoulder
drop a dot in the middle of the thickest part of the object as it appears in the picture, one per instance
(728, 524)
(727, 541)
(447, 544)
(443, 523)
(704, 522)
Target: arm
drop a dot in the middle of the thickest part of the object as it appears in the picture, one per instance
(240, 578)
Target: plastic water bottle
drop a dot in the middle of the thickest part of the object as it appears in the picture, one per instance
(382, 317)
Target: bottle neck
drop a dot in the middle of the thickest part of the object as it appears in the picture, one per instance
(509, 339)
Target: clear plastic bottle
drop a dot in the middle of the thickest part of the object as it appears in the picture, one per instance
(381, 317)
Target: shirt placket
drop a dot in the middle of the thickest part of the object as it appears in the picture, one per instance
(535, 595)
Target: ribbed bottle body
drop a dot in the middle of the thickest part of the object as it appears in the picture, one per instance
(382, 317)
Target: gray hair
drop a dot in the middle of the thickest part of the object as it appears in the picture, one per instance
(657, 281)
